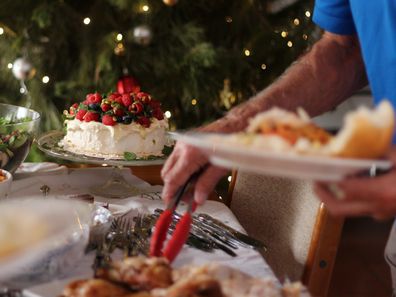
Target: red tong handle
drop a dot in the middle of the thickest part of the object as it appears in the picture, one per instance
(182, 229)
(179, 237)
(160, 232)
(194, 206)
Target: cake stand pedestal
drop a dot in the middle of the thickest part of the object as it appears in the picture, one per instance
(116, 186)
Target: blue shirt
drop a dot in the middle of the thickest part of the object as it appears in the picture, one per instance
(374, 22)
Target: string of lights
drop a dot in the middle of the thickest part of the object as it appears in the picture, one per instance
(288, 34)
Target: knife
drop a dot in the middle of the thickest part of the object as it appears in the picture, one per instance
(238, 235)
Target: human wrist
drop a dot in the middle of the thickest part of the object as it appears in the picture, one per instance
(237, 119)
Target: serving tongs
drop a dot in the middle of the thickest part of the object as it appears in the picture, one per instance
(182, 228)
(213, 230)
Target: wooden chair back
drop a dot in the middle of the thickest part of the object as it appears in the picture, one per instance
(301, 235)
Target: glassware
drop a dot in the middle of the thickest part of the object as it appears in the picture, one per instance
(18, 128)
(116, 186)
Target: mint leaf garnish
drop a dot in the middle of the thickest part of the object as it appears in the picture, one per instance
(167, 150)
(130, 156)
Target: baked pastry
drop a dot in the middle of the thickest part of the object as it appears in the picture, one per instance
(153, 277)
(93, 288)
(197, 286)
(233, 283)
(140, 273)
(116, 127)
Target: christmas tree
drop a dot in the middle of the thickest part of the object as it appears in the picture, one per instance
(199, 58)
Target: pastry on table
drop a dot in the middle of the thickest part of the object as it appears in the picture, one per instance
(153, 277)
(140, 273)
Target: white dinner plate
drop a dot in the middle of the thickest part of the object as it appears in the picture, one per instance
(62, 228)
(282, 164)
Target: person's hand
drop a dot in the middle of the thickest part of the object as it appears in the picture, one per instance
(375, 197)
(181, 164)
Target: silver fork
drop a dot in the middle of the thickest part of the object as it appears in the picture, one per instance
(125, 234)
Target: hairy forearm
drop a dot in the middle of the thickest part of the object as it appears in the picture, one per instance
(328, 74)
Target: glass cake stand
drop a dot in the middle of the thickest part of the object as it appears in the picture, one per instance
(116, 186)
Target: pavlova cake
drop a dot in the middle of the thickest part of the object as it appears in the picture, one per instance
(116, 126)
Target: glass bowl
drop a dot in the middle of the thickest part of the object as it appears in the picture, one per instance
(42, 239)
(18, 127)
(5, 183)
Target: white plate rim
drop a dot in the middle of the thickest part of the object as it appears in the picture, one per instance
(203, 141)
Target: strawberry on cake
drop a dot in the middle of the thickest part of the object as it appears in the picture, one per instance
(115, 125)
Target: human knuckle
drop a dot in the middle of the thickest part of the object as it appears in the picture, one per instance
(164, 170)
(169, 176)
(189, 150)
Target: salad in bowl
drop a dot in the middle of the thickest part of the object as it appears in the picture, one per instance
(18, 126)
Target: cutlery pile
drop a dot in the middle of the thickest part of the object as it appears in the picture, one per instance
(131, 233)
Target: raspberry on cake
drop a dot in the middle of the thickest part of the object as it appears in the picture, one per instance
(110, 126)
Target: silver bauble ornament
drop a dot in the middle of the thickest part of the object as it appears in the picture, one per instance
(142, 35)
(170, 2)
(22, 69)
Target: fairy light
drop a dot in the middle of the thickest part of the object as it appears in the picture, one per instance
(228, 19)
(308, 14)
(45, 79)
(194, 101)
(1, 30)
(9, 65)
(86, 21)
(229, 178)
(247, 52)
(168, 114)
(263, 66)
(145, 8)
(289, 43)
(22, 90)
(305, 36)
(119, 37)
(296, 22)
(284, 34)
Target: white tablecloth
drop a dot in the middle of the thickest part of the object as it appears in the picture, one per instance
(63, 182)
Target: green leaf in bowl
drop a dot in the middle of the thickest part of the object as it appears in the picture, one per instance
(19, 140)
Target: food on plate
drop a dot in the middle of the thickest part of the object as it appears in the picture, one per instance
(140, 273)
(21, 233)
(2, 176)
(5, 183)
(94, 288)
(144, 277)
(365, 133)
(201, 285)
(117, 126)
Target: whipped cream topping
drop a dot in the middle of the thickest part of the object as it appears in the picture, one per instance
(96, 139)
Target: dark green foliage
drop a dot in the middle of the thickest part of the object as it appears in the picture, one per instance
(192, 51)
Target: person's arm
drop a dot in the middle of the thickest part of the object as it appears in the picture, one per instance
(328, 74)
